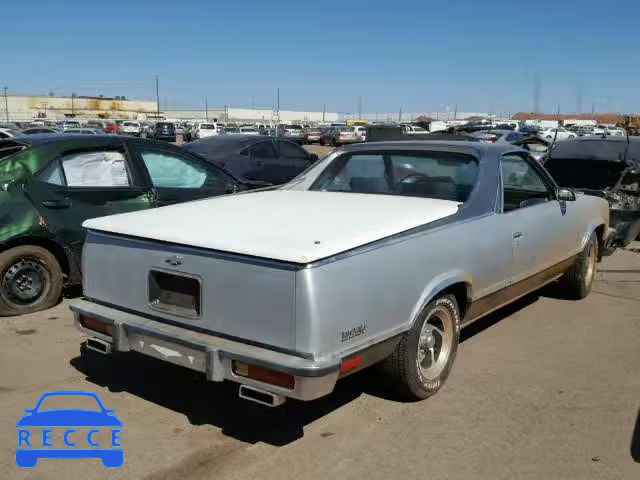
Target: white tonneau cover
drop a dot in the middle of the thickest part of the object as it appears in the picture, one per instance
(288, 225)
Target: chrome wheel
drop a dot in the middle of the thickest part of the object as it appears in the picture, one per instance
(25, 282)
(435, 343)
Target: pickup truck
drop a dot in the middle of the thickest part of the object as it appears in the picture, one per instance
(378, 254)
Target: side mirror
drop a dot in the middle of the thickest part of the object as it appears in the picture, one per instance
(313, 157)
(566, 195)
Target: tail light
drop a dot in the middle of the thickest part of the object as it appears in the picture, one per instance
(95, 325)
(491, 138)
(264, 375)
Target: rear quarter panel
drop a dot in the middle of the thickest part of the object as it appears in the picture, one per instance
(384, 288)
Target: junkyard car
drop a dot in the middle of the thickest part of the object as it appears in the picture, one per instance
(608, 167)
(50, 184)
(379, 253)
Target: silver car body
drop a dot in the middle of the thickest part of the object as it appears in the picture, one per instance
(299, 281)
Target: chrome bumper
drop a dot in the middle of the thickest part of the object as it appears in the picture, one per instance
(207, 353)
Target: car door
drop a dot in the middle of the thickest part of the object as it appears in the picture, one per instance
(262, 155)
(180, 177)
(542, 228)
(291, 161)
(86, 183)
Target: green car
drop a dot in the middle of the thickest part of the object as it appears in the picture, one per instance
(50, 184)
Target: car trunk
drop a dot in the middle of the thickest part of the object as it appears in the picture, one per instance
(217, 293)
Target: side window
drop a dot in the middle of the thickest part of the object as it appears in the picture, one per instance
(52, 174)
(289, 150)
(263, 150)
(106, 168)
(360, 174)
(170, 170)
(523, 186)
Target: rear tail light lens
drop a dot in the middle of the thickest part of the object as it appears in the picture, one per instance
(264, 375)
(350, 364)
(96, 325)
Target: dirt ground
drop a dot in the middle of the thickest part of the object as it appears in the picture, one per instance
(546, 389)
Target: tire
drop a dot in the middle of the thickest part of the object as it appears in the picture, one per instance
(334, 143)
(30, 280)
(321, 142)
(410, 377)
(578, 281)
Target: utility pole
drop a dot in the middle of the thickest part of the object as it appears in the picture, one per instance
(360, 107)
(157, 100)
(73, 112)
(400, 116)
(6, 105)
(277, 109)
(206, 109)
(455, 112)
(324, 109)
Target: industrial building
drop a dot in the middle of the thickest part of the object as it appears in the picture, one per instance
(25, 108)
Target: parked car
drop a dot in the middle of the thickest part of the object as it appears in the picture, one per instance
(609, 168)
(255, 158)
(111, 128)
(81, 131)
(336, 136)
(38, 130)
(8, 132)
(409, 129)
(295, 133)
(131, 128)
(500, 136)
(165, 131)
(556, 134)
(50, 184)
(205, 129)
(66, 124)
(96, 125)
(249, 131)
(312, 135)
(377, 253)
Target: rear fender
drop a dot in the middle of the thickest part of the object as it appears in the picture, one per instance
(437, 285)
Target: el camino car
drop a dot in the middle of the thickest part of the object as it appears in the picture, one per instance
(379, 253)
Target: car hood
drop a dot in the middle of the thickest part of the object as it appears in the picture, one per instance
(69, 418)
(287, 225)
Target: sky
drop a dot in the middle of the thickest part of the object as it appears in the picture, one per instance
(416, 55)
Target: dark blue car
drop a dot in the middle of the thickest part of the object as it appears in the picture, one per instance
(31, 449)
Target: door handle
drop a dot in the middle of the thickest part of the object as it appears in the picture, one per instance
(56, 203)
(517, 235)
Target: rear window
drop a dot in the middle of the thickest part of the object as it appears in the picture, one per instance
(129, 124)
(294, 127)
(207, 126)
(441, 175)
(165, 125)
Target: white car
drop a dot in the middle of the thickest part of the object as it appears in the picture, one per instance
(131, 128)
(556, 134)
(249, 130)
(203, 130)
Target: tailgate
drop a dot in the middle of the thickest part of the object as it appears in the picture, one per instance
(204, 290)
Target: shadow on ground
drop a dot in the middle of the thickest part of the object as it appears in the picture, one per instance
(635, 441)
(217, 404)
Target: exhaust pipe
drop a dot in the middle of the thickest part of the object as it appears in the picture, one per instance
(261, 396)
(99, 345)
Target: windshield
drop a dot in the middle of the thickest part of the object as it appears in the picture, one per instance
(585, 174)
(441, 175)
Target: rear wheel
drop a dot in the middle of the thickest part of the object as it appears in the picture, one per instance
(578, 281)
(423, 359)
(30, 280)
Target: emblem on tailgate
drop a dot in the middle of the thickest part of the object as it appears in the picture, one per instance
(175, 260)
(354, 332)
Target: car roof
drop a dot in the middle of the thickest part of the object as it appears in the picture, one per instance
(480, 149)
(55, 138)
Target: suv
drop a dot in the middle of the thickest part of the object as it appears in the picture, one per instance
(295, 133)
(131, 128)
(204, 130)
(164, 131)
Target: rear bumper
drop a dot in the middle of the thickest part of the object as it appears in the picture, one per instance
(207, 353)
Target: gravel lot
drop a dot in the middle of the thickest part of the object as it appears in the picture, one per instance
(547, 389)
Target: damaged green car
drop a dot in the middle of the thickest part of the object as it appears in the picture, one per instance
(50, 184)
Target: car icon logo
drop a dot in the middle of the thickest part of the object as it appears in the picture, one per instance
(69, 433)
